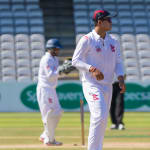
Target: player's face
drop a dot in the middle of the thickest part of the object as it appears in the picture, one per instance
(55, 51)
(106, 24)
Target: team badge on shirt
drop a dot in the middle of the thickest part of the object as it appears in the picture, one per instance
(98, 49)
(112, 48)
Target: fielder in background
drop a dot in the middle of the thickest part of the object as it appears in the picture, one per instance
(46, 93)
(97, 56)
(117, 107)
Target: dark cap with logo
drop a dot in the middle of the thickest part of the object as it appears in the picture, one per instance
(102, 14)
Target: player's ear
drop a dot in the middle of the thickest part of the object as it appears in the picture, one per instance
(99, 22)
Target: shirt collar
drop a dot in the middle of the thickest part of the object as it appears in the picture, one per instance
(98, 36)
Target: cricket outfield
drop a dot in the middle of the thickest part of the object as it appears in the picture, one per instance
(20, 131)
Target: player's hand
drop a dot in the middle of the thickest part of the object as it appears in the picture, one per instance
(96, 73)
(122, 84)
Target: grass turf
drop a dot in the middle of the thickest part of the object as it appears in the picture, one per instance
(25, 128)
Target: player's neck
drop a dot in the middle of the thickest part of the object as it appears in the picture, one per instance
(100, 32)
(52, 54)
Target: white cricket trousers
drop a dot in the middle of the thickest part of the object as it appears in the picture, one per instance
(99, 101)
(48, 100)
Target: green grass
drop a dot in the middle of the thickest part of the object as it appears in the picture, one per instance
(25, 128)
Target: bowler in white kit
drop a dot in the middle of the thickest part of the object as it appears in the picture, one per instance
(97, 57)
(46, 93)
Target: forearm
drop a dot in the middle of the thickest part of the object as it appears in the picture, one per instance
(119, 69)
(79, 64)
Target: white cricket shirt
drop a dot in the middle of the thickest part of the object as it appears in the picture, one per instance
(104, 54)
(48, 73)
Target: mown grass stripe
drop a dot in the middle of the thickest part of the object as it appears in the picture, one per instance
(25, 128)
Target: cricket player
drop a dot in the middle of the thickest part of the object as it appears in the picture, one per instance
(97, 56)
(46, 93)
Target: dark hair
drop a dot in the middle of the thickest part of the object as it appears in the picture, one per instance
(102, 19)
(95, 23)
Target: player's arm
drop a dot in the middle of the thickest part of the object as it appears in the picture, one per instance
(119, 69)
(78, 59)
(49, 69)
(80, 53)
